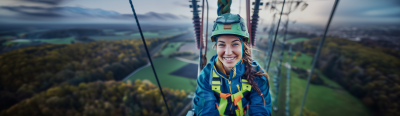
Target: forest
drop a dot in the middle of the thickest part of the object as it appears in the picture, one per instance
(52, 79)
(369, 72)
(100, 98)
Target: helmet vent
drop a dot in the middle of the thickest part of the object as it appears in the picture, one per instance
(242, 26)
(215, 25)
(228, 26)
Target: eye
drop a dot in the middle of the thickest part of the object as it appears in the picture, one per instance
(221, 44)
(235, 44)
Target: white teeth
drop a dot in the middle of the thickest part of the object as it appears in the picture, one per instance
(229, 58)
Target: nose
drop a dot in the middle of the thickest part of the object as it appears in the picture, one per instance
(228, 50)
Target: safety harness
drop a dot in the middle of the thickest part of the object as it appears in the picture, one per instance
(225, 98)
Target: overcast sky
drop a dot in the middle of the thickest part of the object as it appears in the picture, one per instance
(317, 12)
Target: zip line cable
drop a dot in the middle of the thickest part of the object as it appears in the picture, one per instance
(201, 38)
(148, 55)
(205, 52)
(276, 33)
(270, 40)
(317, 55)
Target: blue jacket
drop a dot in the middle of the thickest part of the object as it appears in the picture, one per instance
(205, 101)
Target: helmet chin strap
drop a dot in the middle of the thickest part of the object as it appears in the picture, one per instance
(241, 41)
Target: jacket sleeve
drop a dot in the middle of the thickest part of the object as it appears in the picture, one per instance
(257, 106)
(204, 100)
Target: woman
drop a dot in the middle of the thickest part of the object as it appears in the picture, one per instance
(231, 83)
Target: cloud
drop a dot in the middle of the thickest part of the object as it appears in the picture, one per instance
(157, 16)
(31, 11)
(48, 2)
(353, 12)
(183, 4)
(187, 4)
(369, 8)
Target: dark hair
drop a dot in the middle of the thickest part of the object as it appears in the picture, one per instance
(250, 73)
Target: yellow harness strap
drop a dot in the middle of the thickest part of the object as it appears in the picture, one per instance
(235, 98)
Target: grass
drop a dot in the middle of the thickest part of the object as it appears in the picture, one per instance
(171, 47)
(53, 41)
(165, 66)
(321, 99)
(58, 41)
(170, 32)
(305, 62)
(146, 34)
(121, 33)
(297, 40)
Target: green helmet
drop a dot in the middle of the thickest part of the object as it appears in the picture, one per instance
(230, 24)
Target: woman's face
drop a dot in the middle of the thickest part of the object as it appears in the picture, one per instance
(229, 50)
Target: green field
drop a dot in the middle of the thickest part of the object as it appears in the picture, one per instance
(297, 40)
(303, 61)
(67, 40)
(122, 33)
(170, 32)
(171, 47)
(146, 35)
(321, 99)
(57, 40)
(210, 51)
(165, 66)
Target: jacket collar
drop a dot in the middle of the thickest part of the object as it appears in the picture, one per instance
(238, 69)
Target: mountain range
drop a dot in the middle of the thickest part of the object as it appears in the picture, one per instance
(63, 14)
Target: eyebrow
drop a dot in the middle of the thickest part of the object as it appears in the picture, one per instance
(232, 41)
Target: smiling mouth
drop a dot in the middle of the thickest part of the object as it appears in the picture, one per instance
(229, 59)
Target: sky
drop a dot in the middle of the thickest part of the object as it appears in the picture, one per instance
(316, 13)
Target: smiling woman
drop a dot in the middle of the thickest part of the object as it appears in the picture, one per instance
(232, 83)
